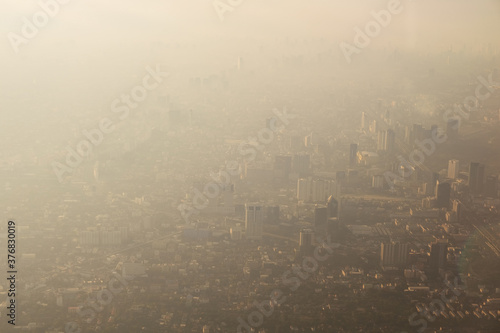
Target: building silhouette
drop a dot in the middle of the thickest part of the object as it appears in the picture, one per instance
(394, 254)
(386, 140)
(353, 154)
(476, 178)
(282, 166)
(453, 168)
(306, 241)
(438, 252)
(320, 218)
(332, 206)
(443, 194)
(254, 220)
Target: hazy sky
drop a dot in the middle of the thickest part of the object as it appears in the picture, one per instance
(191, 20)
(92, 47)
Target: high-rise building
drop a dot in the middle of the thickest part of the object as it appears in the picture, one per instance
(254, 220)
(378, 181)
(332, 206)
(390, 140)
(408, 135)
(317, 190)
(394, 254)
(283, 166)
(236, 232)
(340, 176)
(453, 168)
(306, 241)
(476, 178)
(90, 238)
(353, 154)
(303, 189)
(386, 140)
(381, 141)
(414, 133)
(320, 219)
(418, 132)
(320, 190)
(434, 179)
(438, 252)
(272, 214)
(333, 227)
(308, 140)
(457, 210)
(110, 237)
(443, 194)
(491, 186)
(387, 117)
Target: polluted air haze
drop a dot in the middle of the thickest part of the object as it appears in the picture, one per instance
(250, 166)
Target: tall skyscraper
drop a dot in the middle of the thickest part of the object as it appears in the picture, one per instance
(235, 232)
(353, 154)
(390, 141)
(304, 189)
(333, 228)
(306, 241)
(438, 252)
(272, 214)
(317, 190)
(415, 133)
(443, 194)
(254, 218)
(320, 219)
(378, 181)
(434, 176)
(386, 140)
(394, 254)
(364, 121)
(408, 135)
(457, 210)
(282, 166)
(453, 168)
(476, 178)
(332, 206)
(322, 189)
(491, 186)
(381, 141)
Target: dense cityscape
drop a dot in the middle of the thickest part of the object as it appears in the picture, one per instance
(269, 188)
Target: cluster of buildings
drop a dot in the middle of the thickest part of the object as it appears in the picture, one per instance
(184, 245)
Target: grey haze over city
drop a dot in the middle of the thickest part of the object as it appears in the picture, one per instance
(250, 166)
